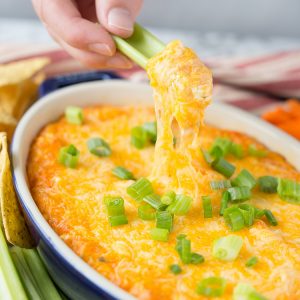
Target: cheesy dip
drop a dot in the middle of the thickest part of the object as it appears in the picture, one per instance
(186, 211)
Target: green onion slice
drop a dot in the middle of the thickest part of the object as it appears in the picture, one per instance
(140, 189)
(251, 262)
(207, 207)
(223, 167)
(212, 287)
(175, 269)
(168, 198)
(270, 217)
(245, 291)
(227, 248)
(207, 157)
(122, 173)
(220, 184)
(114, 205)
(239, 193)
(117, 220)
(224, 202)
(253, 151)
(234, 218)
(244, 178)
(289, 190)
(68, 156)
(237, 150)
(74, 115)
(267, 184)
(164, 219)
(138, 137)
(99, 147)
(220, 147)
(146, 212)
(248, 212)
(160, 234)
(151, 130)
(154, 201)
(197, 259)
(181, 205)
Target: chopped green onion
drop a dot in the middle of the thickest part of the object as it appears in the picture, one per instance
(160, 234)
(227, 248)
(245, 291)
(168, 197)
(175, 269)
(220, 147)
(267, 184)
(251, 262)
(181, 205)
(236, 150)
(98, 147)
(154, 201)
(122, 173)
(140, 189)
(253, 151)
(220, 184)
(151, 130)
(118, 220)
(207, 157)
(138, 137)
(197, 259)
(114, 205)
(224, 202)
(74, 115)
(164, 219)
(239, 193)
(68, 156)
(212, 287)
(244, 178)
(270, 217)
(234, 218)
(248, 212)
(259, 213)
(223, 167)
(207, 207)
(146, 212)
(289, 190)
(185, 253)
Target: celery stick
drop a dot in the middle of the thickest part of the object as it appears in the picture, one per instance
(141, 46)
(4, 291)
(38, 270)
(27, 278)
(9, 272)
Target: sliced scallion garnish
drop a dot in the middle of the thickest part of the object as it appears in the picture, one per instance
(224, 202)
(207, 207)
(168, 198)
(99, 147)
(245, 291)
(220, 184)
(160, 234)
(223, 167)
(237, 150)
(244, 178)
(122, 173)
(175, 269)
(68, 156)
(220, 147)
(114, 205)
(227, 248)
(251, 262)
(248, 212)
(181, 205)
(239, 193)
(146, 212)
(267, 184)
(212, 287)
(270, 217)
(253, 151)
(289, 190)
(197, 259)
(234, 218)
(138, 137)
(151, 130)
(164, 219)
(207, 157)
(154, 201)
(117, 220)
(74, 115)
(140, 189)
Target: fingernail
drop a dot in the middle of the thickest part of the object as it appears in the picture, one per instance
(101, 49)
(120, 18)
(119, 62)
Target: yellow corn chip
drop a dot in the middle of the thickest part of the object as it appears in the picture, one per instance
(13, 221)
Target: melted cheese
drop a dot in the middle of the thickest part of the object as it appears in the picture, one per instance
(182, 89)
(71, 201)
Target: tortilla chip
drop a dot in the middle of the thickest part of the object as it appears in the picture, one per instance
(7, 124)
(13, 221)
(16, 72)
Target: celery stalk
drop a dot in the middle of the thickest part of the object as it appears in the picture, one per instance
(38, 270)
(140, 46)
(27, 278)
(14, 288)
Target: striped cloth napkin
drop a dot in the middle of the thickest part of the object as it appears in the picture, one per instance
(255, 84)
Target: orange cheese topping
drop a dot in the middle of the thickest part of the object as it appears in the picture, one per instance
(182, 89)
(71, 201)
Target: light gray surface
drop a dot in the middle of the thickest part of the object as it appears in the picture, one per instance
(243, 17)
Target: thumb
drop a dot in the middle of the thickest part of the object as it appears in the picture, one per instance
(118, 16)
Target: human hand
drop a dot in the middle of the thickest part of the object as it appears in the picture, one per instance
(83, 28)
